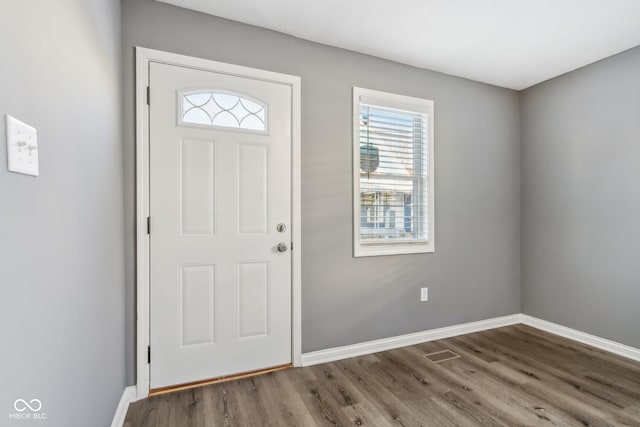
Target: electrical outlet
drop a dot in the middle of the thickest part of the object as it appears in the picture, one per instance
(424, 294)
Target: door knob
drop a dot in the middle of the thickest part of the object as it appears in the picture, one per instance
(282, 247)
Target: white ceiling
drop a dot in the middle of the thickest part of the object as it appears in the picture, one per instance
(509, 43)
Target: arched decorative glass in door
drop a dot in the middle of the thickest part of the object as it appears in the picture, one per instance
(223, 109)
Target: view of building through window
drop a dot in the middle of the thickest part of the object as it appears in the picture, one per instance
(393, 162)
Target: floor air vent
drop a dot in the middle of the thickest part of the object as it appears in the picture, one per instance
(441, 356)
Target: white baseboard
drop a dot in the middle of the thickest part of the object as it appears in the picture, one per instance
(369, 347)
(360, 349)
(128, 395)
(582, 337)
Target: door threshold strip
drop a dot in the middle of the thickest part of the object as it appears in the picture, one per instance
(186, 386)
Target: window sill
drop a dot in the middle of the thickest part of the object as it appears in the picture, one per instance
(365, 250)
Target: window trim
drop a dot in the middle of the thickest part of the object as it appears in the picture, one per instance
(391, 100)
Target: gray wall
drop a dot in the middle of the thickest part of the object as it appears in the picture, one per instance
(475, 271)
(65, 325)
(61, 234)
(581, 199)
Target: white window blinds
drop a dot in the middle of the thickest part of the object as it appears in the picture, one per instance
(394, 176)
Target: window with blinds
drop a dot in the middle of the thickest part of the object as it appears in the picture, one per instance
(393, 174)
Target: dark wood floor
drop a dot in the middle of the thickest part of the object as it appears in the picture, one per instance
(505, 377)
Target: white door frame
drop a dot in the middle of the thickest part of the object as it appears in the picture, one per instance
(144, 57)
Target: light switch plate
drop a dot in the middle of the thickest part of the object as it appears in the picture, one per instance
(22, 147)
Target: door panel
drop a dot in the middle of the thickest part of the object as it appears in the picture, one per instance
(220, 183)
(197, 305)
(197, 187)
(253, 184)
(253, 299)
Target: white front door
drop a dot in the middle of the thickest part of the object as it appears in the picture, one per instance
(220, 209)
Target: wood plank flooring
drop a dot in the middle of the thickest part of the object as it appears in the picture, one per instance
(513, 376)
